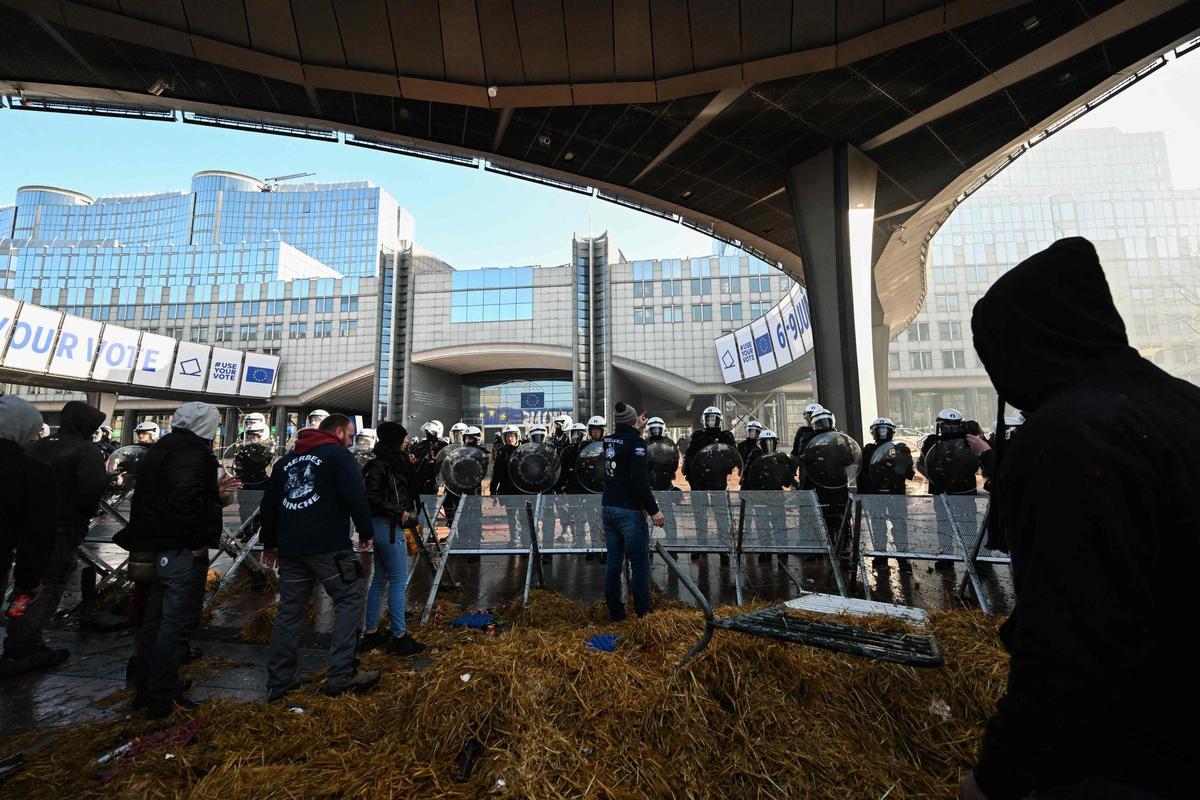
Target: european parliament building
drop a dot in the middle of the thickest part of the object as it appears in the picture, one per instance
(329, 277)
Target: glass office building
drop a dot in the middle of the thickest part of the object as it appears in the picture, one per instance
(294, 270)
(1111, 187)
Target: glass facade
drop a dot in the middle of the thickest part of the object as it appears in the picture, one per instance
(1110, 187)
(490, 402)
(491, 295)
(232, 260)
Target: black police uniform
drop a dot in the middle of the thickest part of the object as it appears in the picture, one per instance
(718, 503)
(894, 508)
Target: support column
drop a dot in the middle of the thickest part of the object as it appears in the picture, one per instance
(832, 196)
(106, 402)
(231, 427)
(281, 435)
(128, 421)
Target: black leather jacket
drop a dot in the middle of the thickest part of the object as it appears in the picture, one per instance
(388, 479)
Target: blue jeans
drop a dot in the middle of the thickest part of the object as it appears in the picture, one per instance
(626, 534)
(391, 567)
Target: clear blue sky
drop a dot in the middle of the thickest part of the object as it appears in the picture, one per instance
(469, 217)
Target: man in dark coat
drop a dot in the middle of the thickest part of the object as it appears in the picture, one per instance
(27, 508)
(1097, 512)
(176, 514)
(80, 481)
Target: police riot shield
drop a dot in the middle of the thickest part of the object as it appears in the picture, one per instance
(534, 467)
(890, 466)
(463, 469)
(831, 459)
(662, 462)
(951, 465)
(715, 463)
(249, 460)
(770, 471)
(122, 467)
(589, 467)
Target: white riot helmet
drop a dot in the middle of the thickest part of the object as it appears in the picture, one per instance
(457, 431)
(823, 421)
(754, 429)
(146, 432)
(44, 432)
(512, 430)
(432, 429)
(537, 434)
(596, 422)
(768, 440)
(561, 423)
(811, 409)
(711, 417)
(316, 417)
(882, 430)
(948, 418)
(254, 416)
(471, 435)
(364, 441)
(576, 432)
(101, 432)
(257, 428)
(656, 427)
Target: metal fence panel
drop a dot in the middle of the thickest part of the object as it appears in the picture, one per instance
(486, 525)
(695, 522)
(783, 522)
(913, 526)
(571, 523)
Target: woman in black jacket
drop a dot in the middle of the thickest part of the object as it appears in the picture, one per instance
(388, 478)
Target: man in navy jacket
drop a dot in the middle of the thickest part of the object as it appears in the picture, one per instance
(314, 493)
(626, 502)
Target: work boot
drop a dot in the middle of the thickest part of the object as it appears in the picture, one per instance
(160, 710)
(404, 646)
(279, 692)
(371, 641)
(362, 681)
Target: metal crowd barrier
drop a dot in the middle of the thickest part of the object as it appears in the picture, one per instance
(784, 523)
(925, 527)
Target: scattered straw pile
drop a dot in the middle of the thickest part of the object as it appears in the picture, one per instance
(748, 718)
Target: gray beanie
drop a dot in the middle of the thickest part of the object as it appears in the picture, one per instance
(201, 419)
(19, 420)
(625, 414)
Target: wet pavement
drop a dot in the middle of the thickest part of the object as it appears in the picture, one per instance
(91, 684)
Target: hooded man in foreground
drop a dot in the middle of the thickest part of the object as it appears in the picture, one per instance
(1096, 497)
(80, 481)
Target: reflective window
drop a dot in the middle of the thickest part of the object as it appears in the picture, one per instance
(702, 313)
(491, 295)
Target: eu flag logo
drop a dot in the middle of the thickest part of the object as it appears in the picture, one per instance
(260, 375)
(762, 344)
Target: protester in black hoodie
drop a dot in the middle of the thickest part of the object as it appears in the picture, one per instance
(315, 492)
(27, 503)
(1097, 512)
(389, 479)
(175, 514)
(80, 481)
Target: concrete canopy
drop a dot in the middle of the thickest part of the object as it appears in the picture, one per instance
(693, 107)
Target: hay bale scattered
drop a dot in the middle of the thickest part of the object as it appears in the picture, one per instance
(747, 718)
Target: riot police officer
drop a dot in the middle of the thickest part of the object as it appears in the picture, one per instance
(104, 441)
(711, 498)
(146, 433)
(949, 426)
(538, 433)
(424, 455)
(251, 458)
(595, 428)
(768, 470)
(750, 443)
(762, 480)
(501, 483)
(316, 417)
(893, 508)
(363, 446)
(662, 474)
(559, 435)
(805, 431)
(457, 431)
(568, 454)
(709, 433)
(833, 500)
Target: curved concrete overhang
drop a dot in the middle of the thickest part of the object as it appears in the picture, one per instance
(646, 80)
(351, 389)
(486, 357)
(663, 383)
(902, 270)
